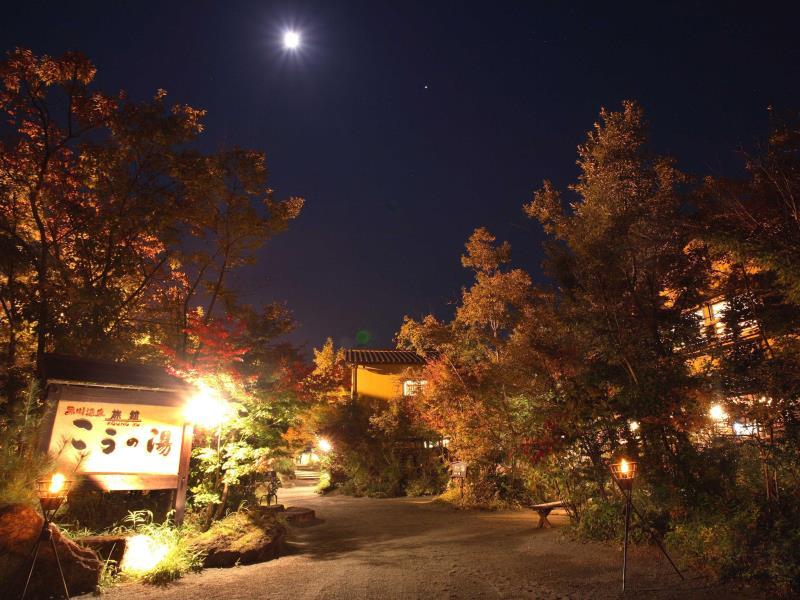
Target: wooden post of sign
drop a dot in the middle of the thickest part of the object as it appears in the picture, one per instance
(183, 474)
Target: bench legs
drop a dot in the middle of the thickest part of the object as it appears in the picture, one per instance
(543, 514)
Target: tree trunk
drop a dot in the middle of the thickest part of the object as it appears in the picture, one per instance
(220, 512)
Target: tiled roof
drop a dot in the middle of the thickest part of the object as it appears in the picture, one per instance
(382, 357)
(69, 369)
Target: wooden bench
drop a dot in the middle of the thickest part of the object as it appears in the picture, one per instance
(544, 511)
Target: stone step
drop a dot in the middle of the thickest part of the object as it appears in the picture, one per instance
(297, 515)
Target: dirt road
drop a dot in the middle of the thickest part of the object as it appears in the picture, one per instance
(414, 548)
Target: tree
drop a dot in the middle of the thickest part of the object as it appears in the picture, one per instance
(758, 220)
(628, 282)
(752, 229)
(118, 239)
(477, 393)
(111, 223)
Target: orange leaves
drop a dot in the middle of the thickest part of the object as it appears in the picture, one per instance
(482, 255)
(546, 208)
(120, 227)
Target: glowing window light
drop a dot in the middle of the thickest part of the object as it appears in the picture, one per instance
(717, 312)
(142, 554)
(745, 428)
(412, 387)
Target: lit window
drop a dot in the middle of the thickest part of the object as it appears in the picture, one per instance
(740, 428)
(701, 319)
(717, 312)
(412, 387)
(718, 308)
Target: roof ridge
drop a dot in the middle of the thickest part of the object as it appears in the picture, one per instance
(382, 356)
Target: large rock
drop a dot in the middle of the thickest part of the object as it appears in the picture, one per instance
(109, 548)
(241, 538)
(20, 526)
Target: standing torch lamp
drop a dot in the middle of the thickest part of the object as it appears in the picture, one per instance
(52, 493)
(624, 473)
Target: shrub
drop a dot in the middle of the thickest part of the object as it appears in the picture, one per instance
(325, 484)
(601, 521)
(749, 542)
(21, 464)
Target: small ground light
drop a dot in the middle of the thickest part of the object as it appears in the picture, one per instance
(142, 554)
(633, 426)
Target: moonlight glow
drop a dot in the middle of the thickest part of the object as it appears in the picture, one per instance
(291, 40)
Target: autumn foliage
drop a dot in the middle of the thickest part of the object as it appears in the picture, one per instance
(540, 386)
(118, 238)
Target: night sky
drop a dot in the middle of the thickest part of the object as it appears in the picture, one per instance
(405, 125)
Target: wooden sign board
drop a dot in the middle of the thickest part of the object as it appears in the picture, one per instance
(459, 470)
(119, 439)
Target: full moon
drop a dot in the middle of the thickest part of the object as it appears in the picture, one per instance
(291, 40)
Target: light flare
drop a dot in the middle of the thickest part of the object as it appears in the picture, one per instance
(206, 408)
(717, 413)
(142, 554)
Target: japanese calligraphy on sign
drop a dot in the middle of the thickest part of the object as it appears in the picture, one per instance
(104, 437)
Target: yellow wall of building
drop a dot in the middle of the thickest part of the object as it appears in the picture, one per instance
(384, 382)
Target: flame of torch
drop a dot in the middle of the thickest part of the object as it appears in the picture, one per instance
(57, 483)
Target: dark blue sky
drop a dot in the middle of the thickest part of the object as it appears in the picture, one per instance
(397, 175)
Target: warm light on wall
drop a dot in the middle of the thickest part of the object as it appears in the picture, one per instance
(142, 554)
(206, 408)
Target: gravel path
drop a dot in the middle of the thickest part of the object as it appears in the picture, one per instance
(414, 548)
